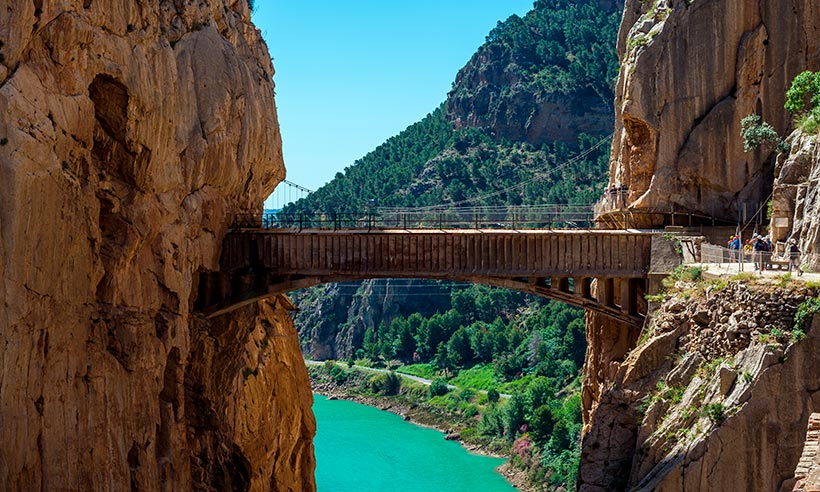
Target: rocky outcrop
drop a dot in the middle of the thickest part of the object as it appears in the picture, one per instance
(509, 91)
(796, 198)
(714, 396)
(679, 102)
(130, 132)
(488, 94)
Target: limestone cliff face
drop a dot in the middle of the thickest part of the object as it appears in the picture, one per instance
(690, 70)
(130, 131)
(715, 395)
(796, 197)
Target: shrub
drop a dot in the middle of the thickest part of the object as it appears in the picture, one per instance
(387, 383)
(493, 395)
(715, 411)
(805, 312)
(806, 85)
(439, 387)
(756, 133)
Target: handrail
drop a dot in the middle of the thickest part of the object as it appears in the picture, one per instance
(509, 217)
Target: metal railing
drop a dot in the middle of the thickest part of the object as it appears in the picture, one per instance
(614, 200)
(504, 217)
(745, 260)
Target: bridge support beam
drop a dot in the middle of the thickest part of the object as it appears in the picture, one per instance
(606, 291)
(629, 296)
(561, 284)
(583, 287)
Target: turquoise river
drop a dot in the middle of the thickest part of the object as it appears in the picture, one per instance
(363, 449)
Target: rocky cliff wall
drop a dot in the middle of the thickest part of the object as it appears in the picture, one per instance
(714, 395)
(796, 198)
(690, 71)
(130, 131)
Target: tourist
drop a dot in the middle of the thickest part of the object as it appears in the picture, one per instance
(759, 247)
(734, 247)
(794, 257)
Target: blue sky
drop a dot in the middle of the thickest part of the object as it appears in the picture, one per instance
(349, 75)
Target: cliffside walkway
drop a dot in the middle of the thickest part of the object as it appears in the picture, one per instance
(560, 264)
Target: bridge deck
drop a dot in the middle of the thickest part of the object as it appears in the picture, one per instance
(441, 253)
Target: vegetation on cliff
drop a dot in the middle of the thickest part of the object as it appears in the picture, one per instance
(805, 86)
(560, 47)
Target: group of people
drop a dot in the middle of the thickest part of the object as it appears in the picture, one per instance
(615, 196)
(760, 247)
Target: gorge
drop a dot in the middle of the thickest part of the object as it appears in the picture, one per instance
(132, 132)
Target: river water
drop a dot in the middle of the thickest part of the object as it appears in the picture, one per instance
(363, 449)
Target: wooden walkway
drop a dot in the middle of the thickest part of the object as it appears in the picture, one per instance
(559, 264)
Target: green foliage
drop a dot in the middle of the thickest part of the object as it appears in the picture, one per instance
(493, 395)
(808, 123)
(419, 370)
(805, 312)
(561, 46)
(481, 376)
(386, 383)
(683, 273)
(439, 387)
(335, 371)
(805, 86)
(756, 133)
(715, 411)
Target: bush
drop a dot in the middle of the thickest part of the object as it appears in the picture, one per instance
(716, 412)
(387, 383)
(805, 312)
(756, 133)
(493, 395)
(439, 387)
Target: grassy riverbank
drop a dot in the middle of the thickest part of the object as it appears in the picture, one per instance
(482, 421)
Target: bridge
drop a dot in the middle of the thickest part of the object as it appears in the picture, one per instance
(604, 271)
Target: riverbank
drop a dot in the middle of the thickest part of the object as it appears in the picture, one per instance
(411, 404)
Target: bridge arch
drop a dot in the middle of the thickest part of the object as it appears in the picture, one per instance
(600, 271)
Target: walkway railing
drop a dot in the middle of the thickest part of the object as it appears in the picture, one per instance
(506, 217)
(733, 261)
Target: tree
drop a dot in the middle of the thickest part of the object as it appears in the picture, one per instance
(805, 86)
(542, 423)
(459, 350)
(756, 133)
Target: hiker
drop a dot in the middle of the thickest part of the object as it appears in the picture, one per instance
(794, 257)
(759, 247)
(767, 254)
(734, 247)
